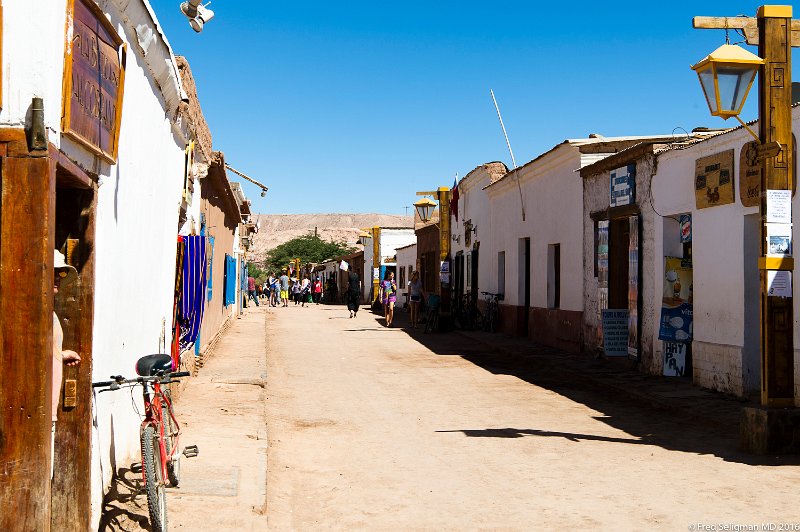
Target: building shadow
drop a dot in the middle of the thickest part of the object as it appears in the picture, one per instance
(645, 424)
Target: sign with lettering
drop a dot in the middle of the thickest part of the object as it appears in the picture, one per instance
(677, 310)
(623, 186)
(749, 175)
(713, 180)
(94, 73)
(615, 332)
(674, 359)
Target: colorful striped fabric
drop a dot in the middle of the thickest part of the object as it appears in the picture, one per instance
(193, 289)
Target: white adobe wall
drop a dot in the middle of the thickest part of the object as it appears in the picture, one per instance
(720, 334)
(405, 257)
(553, 195)
(137, 212)
(391, 239)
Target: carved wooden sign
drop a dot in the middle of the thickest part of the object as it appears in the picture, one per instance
(713, 180)
(749, 175)
(94, 74)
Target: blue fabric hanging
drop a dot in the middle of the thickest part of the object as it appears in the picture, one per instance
(230, 280)
(193, 289)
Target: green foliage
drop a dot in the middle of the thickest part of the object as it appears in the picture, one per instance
(256, 273)
(308, 248)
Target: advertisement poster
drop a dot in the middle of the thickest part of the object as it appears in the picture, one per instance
(676, 303)
(602, 273)
(713, 180)
(686, 228)
(674, 359)
(779, 206)
(779, 240)
(615, 332)
(779, 283)
(633, 287)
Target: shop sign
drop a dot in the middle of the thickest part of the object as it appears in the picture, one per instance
(674, 359)
(676, 303)
(615, 332)
(713, 180)
(623, 186)
(94, 74)
(750, 174)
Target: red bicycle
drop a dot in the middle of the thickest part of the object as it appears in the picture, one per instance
(159, 431)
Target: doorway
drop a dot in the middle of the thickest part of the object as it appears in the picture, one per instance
(524, 297)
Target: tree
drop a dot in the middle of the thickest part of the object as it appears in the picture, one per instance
(256, 273)
(308, 248)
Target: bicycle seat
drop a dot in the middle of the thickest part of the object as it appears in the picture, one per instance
(150, 365)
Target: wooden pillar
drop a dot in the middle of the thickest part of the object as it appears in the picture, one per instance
(775, 121)
(27, 208)
(71, 485)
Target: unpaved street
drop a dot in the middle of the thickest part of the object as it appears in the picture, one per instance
(371, 428)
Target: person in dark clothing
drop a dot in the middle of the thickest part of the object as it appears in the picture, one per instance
(353, 293)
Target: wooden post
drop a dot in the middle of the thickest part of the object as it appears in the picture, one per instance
(27, 211)
(775, 122)
(376, 262)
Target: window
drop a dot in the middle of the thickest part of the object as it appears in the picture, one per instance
(501, 272)
(554, 276)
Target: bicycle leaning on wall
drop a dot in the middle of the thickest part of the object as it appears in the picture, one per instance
(159, 431)
(492, 315)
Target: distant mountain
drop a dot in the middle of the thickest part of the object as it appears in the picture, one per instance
(275, 229)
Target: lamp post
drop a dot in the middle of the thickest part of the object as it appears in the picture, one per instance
(725, 76)
(376, 262)
(425, 208)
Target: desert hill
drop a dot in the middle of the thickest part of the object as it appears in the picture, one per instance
(275, 229)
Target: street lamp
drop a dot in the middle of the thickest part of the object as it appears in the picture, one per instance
(425, 208)
(363, 237)
(726, 76)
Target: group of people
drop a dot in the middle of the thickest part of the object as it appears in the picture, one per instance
(388, 296)
(279, 290)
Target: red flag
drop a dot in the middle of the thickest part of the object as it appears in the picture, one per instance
(454, 199)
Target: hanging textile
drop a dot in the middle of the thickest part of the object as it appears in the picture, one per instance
(193, 289)
(175, 350)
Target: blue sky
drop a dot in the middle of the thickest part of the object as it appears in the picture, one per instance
(355, 106)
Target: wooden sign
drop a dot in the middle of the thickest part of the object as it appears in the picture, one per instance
(713, 180)
(749, 175)
(94, 74)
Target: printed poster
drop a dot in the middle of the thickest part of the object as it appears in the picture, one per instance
(623, 186)
(633, 287)
(615, 332)
(602, 273)
(676, 302)
(713, 180)
(779, 283)
(779, 240)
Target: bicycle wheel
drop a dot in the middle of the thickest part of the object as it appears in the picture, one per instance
(154, 484)
(173, 463)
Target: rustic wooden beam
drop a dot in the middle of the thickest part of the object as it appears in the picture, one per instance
(749, 25)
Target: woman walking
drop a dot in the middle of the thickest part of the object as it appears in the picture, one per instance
(415, 294)
(388, 297)
(353, 293)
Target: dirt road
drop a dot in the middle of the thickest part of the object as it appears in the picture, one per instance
(381, 428)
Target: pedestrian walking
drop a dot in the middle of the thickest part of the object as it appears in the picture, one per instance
(415, 295)
(296, 291)
(353, 293)
(284, 280)
(275, 292)
(316, 291)
(251, 290)
(388, 294)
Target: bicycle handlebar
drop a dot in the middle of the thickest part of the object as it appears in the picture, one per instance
(118, 380)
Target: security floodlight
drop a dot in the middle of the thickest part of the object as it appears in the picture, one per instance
(197, 14)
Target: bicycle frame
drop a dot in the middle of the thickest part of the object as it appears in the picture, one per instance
(154, 404)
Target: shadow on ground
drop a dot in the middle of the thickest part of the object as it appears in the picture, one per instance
(125, 504)
(646, 424)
